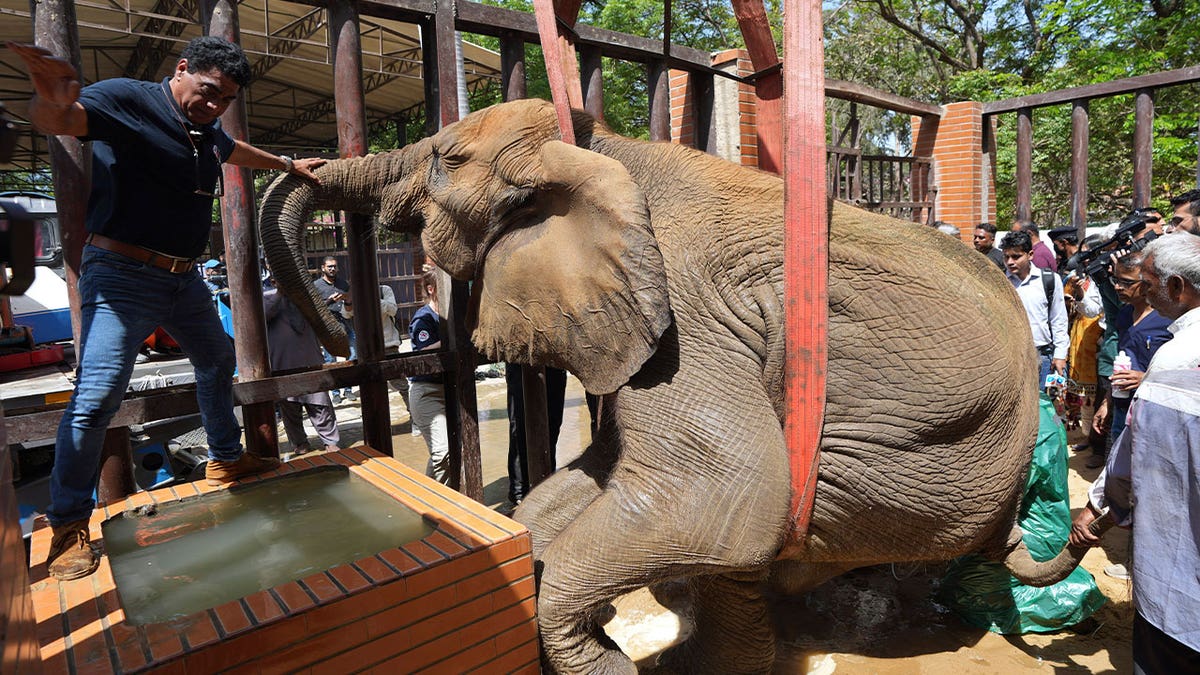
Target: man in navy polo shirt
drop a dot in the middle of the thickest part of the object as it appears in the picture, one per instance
(157, 150)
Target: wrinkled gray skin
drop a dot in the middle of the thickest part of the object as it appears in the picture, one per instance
(655, 271)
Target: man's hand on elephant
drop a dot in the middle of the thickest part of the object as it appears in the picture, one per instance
(1060, 366)
(306, 166)
(1081, 533)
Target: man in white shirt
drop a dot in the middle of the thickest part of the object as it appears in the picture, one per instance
(1041, 293)
(1155, 491)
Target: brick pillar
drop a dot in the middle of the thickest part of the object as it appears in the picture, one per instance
(682, 108)
(962, 173)
(733, 110)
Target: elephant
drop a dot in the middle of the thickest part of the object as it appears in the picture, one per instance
(654, 273)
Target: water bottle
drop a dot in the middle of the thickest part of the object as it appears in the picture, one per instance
(1122, 362)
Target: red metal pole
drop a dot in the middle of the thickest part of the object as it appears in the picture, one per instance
(806, 251)
(768, 86)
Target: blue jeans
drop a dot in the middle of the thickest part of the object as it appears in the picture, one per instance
(1044, 369)
(329, 358)
(122, 301)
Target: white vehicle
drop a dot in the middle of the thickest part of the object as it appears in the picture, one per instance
(44, 307)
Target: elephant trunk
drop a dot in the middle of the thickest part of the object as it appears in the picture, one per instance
(356, 185)
(1038, 574)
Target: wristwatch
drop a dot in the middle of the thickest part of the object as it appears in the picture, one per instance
(288, 164)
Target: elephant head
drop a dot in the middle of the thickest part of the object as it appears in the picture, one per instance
(556, 239)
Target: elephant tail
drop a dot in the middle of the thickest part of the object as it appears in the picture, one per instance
(1033, 573)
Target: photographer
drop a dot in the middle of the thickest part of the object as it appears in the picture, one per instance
(1133, 233)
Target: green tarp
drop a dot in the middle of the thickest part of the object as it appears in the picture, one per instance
(985, 595)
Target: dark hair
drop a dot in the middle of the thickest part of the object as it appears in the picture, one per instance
(1019, 240)
(213, 53)
(1067, 233)
(1191, 197)
(1028, 226)
(328, 259)
(987, 227)
(429, 277)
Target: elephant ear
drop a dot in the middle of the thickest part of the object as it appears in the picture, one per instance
(573, 278)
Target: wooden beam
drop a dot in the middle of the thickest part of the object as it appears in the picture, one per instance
(1143, 147)
(1079, 167)
(1024, 164)
(1129, 85)
(861, 93)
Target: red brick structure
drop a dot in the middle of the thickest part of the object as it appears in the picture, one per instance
(734, 112)
(962, 173)
(460, 600)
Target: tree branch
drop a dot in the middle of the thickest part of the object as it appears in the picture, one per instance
(888, 14)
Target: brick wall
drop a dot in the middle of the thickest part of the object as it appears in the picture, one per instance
(966, 195)
(460, 600)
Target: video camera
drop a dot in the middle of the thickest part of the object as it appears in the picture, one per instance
(1095, 262)
(18, 232)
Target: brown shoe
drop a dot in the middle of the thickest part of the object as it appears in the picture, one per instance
(71, 553)
(223, 473)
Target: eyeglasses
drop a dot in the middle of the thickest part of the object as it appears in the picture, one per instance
(1124, 283)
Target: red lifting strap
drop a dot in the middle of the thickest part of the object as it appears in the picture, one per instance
(806, 253)
(561, 67)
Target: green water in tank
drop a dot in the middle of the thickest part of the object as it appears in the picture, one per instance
(182, 557)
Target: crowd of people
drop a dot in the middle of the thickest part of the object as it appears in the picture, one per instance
(1115, 320)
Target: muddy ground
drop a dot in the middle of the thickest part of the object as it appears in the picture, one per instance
(877, 620)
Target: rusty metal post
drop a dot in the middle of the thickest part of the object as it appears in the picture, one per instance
(462, 417)
(659, 90)
(1079, 166)
(116, 466)
(364, 272)
(512, 68)
(429, 77)
(1024, 164)
(220, 19)
(55, 28)
(592, 80)
(806, 253)
(1143, 147)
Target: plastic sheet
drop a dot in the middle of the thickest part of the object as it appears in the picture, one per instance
(984, 594)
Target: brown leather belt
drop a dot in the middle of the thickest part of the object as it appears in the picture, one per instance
(160, 260)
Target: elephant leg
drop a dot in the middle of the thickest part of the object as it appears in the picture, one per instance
(556, 501)
(733, 633)
(612, 548)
